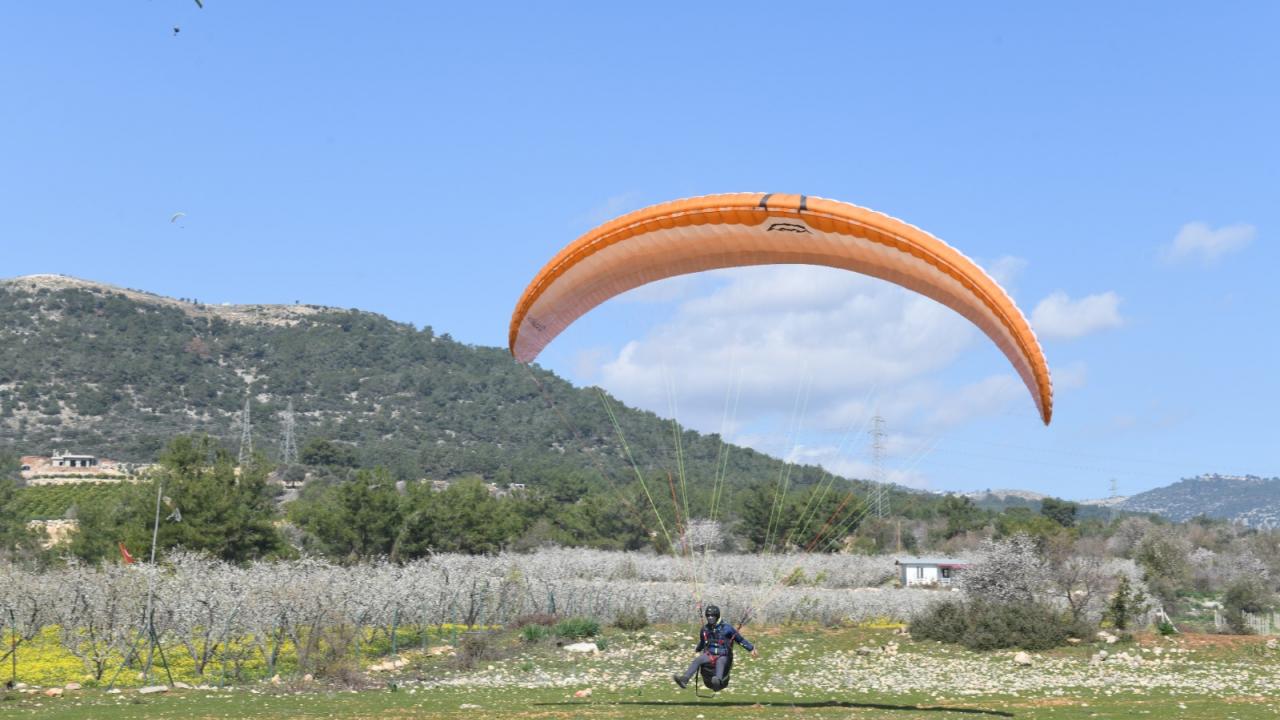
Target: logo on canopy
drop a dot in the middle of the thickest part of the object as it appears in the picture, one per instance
(791, 227)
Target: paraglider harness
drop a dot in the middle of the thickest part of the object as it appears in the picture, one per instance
(707, 675)
(717, 645)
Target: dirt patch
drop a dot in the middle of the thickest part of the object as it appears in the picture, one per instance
(1198, 641)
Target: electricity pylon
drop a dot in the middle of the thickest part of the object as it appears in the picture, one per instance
(881, 503)
(288, 444)
(246, 434)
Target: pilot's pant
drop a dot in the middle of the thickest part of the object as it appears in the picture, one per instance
(706, 659)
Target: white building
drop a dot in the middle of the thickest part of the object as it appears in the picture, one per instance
(938, 572)
(66, 459)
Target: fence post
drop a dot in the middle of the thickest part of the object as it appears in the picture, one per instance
(13, 651)
(426, 628)
(395, 625)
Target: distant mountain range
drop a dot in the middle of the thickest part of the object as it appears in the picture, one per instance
(1246, 499)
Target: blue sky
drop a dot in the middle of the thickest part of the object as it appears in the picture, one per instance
(1117, 165)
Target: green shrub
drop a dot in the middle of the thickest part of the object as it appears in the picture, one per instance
(631, 619)
(981, 625)
(944, 622)
(577, 628)
(534, 633)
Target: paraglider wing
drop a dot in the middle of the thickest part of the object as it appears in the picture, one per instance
(176, 216)
(740, 229)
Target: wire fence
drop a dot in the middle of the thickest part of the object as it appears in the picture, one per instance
(1258, 624)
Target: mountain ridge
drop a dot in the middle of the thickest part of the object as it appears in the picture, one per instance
(267, 313)
(117, 372)
(1248, 499)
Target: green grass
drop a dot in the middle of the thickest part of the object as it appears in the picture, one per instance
(803, 673)
(660, 702)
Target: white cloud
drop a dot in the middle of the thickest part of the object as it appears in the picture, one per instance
(1005, 270)
(794, 360)
(1059, 317)
(776, 333)
(1198, 241)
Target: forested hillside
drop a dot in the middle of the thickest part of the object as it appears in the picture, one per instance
(118, 373)
(1250, 500)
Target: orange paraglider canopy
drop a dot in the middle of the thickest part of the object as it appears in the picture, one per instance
(738, 229)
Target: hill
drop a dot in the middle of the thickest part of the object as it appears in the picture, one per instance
(1246, 499)
(1006, 499)
(116, 372)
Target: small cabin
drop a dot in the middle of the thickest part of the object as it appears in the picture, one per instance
(929, 572)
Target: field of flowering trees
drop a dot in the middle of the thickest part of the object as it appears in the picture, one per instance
(211, 609)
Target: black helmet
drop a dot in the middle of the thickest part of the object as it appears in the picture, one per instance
(713, 614)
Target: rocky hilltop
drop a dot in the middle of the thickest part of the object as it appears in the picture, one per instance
(1246, 499)
(248, 314)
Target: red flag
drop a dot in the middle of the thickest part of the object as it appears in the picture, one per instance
(124, 552)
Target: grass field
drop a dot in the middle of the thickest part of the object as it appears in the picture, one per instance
(802, 673)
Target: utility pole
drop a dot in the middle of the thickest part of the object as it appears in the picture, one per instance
(246, 434)
(289, 445)
(877, 459)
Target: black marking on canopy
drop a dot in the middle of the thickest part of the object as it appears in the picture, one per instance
(787, 227)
